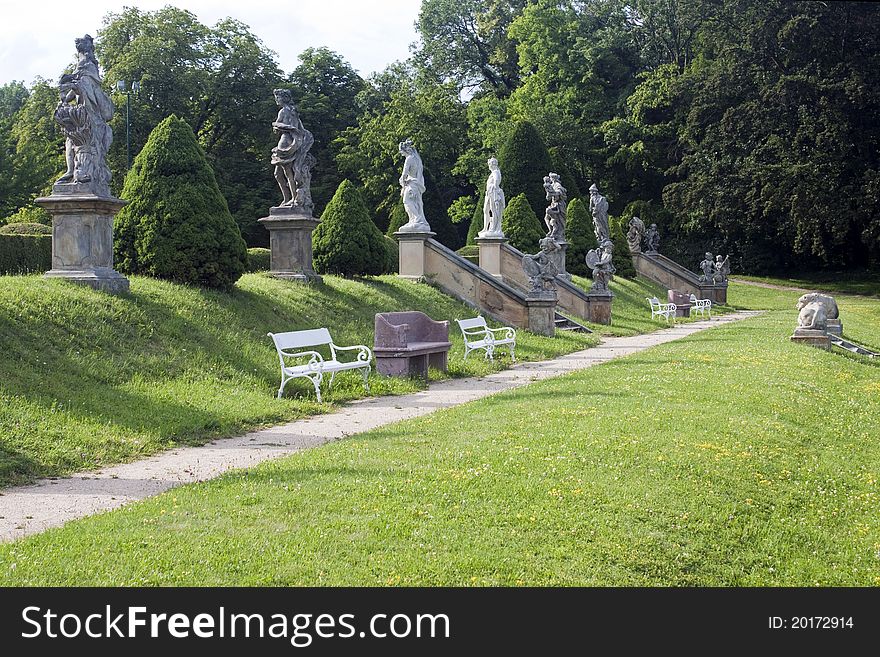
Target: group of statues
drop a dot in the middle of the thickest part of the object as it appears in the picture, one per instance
(637, 234)
(714, 271)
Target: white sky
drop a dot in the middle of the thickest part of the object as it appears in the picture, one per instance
(36, 36)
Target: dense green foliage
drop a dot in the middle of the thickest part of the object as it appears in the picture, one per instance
(24, 253)
(477, 220)
(25, 229)
(521, 226)
(258, 259)
(581, 237)
(177, 225)
(542, 486)
(524, 161)
(88, 379)
(347, 242)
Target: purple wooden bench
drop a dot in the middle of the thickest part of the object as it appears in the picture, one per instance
(407, 343)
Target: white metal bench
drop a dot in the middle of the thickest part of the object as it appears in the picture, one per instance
(477, 335)
(667, 310)
(315, 368)
(701, 306)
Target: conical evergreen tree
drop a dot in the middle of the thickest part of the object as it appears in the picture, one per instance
(581, 237)
(398, 219)
(476, 221)
(177, 224)
(521, 226)
(524, 161)
(347, 242)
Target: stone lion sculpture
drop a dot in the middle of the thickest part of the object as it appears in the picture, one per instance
(831, 311)
(812, 316)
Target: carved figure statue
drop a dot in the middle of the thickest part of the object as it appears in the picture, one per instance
(829, 303)
(635, 234)
(494, 202)
(541, 269)
(83, 112)
(707, 266)
(813, 314)
(722, 269)
(652, 239)
(291, 157)
(599, 210)
(600, 261)
(557, 212)
(412, 186)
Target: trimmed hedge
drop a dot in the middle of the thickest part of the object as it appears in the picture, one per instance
(476, 222)
(177, 224)
(524, 161)
(258, 259)
(521, 225)
(26, 229)
(25, 254)
(581, 237)
(347, 242)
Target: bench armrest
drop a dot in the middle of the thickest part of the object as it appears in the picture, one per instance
(394, 336)
(509, 332)
(436, 331)
(315, 359)
(364, 353)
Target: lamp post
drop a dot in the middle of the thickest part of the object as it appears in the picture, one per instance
(123, 88)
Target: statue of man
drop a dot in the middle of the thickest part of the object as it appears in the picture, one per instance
(635, 235)
(541, 269)
(599, 210)
(652, 239)
(412, 186)
(601, 262)
(291, 156)
(556, 213)
(83, 112)
(722, 269)
(494, 202)
(707, 266)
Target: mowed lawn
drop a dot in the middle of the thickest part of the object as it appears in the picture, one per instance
(730, 458)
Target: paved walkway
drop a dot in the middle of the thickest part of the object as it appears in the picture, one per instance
(52, 502)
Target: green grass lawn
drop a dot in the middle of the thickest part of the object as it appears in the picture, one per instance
(730, 458)
(865, 283)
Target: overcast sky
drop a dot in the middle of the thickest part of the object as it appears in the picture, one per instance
(36, 36)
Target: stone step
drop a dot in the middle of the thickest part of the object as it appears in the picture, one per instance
(852, 347)
(563, 323)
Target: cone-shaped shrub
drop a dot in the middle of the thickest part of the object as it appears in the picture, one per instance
(398, 219)
(347, 242)
(177, 224)
(622, 260)
(524, 161)
(581, 237)
(477, 222)
(521, 226)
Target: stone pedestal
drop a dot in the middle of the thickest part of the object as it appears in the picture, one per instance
(490, 254)
(599, 305)
(559, 260)
(542, 313)
(812, 337)
(412, 254)
(834, 327)
(82, 238)
(290, 244)
(720, 293)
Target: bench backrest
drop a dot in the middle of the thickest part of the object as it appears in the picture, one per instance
(654, 301)
(468, 324)
(299, 339)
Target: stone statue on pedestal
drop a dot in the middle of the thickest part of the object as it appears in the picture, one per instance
(493, 203)
(601, 262)
(556, 214)
(722, 269)
(707, 266)
(291, 157)
(412, 186)
(635, 234)
(83, 112)
(541, 269)
(599, 210)
(652, 239)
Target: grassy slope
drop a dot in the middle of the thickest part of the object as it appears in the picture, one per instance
(760, 467)
(88, 380)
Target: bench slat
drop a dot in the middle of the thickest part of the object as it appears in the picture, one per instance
(297, 339)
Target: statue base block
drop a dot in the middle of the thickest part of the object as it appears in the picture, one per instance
(82, 238)
(542, 313)
(812, 337)
(411, 254)
(599, 307)
(834, 327)
(490, 253)
(290, 244)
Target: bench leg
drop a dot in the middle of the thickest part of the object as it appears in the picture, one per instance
(439, 361)
(366, 372)
(418, 366)
(512, 351)
(316, 381)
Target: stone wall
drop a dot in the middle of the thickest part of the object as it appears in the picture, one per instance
(673, 276)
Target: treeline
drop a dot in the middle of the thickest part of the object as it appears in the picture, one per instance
(747, 127)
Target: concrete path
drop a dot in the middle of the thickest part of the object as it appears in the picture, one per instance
(52, 502)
